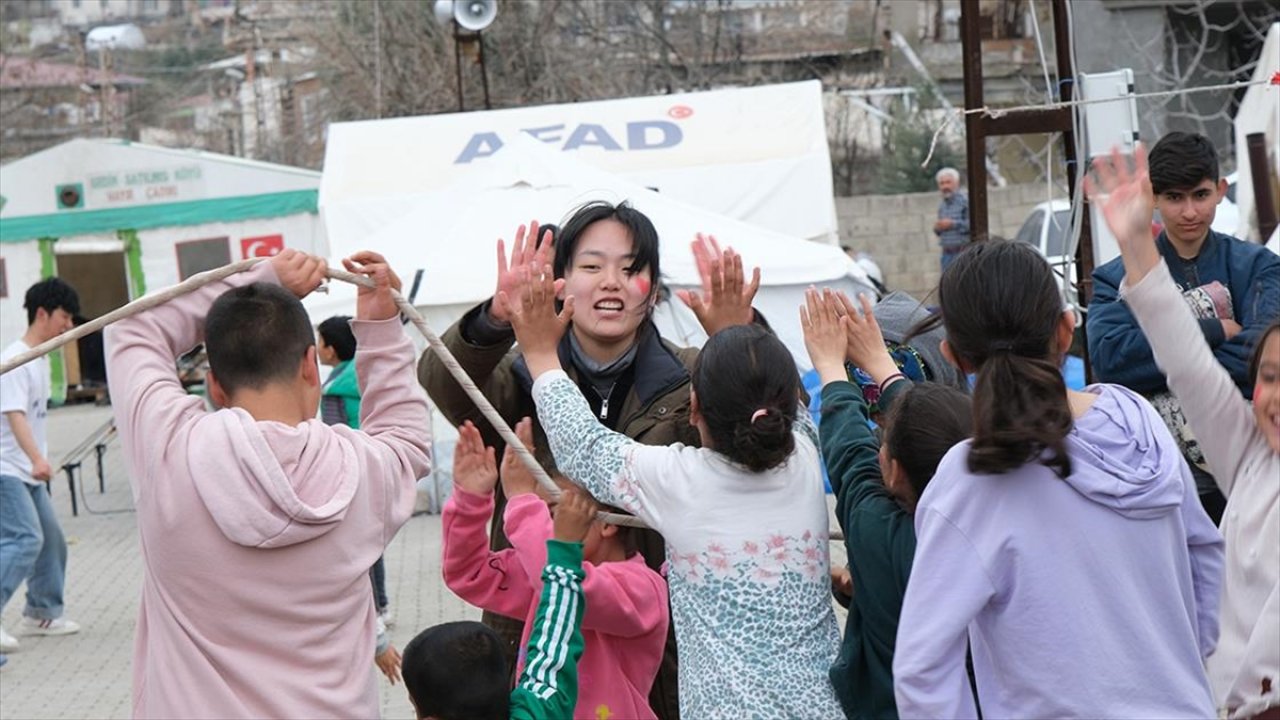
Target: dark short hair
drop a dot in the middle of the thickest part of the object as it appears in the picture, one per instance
(256, 335)
(1001, 309)
(337, 334)
(1180, 161)
(457, 671)
(925, 422)
(742, 369)
(51, 294)
(1255, 357)
(644, 236)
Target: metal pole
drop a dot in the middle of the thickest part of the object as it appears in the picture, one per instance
(975, 140)
(484, 72)
(1263, 199)
(457, 62)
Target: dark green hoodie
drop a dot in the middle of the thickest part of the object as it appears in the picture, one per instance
(881, 540)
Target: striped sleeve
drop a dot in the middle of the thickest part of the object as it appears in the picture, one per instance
(548, 687)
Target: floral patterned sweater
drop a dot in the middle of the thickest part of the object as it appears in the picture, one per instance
(748, 558)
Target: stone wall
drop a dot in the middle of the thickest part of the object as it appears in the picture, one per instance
(897, 230)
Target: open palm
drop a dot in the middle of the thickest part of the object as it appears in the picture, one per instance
(1126, 200)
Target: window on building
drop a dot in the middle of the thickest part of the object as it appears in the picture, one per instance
(196, 256)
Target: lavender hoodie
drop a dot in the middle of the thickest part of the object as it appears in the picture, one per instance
(257, 537)
(1094, 596)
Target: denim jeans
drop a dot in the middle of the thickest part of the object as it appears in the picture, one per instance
(378, 575)
(32, 548)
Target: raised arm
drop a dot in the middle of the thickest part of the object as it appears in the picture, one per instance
(147, 397)
(1220, 418)
(493, 581)
(548, 686)
(481, 340)
(726, 296)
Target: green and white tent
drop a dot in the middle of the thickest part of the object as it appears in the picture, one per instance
(116, 218)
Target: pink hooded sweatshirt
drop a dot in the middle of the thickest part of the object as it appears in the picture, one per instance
(625, 626)
(257, 537)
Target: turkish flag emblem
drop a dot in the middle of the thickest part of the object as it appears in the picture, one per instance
(265, 246)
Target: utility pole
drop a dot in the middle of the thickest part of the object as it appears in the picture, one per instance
(978, 127)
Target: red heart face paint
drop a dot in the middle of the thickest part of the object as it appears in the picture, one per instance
(643, 285)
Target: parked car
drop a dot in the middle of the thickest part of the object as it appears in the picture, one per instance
(1048, 230)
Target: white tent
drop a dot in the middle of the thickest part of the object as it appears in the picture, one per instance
(1259, 112)
(117, 218)
(451, 235)
(757, 154)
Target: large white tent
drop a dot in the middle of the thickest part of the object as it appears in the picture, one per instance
(757, 154)
(451, 236)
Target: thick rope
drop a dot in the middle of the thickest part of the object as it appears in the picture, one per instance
(437, 345)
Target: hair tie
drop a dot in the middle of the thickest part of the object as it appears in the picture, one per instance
(758, 414)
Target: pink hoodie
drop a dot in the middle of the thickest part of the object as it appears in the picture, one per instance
(257, 537)
(625, 626)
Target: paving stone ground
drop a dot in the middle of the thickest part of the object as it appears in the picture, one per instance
(87, 675)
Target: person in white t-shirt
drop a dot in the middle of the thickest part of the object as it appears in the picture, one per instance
(32, 548)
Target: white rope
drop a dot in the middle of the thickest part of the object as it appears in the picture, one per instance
(451, 363)
(1000, 112)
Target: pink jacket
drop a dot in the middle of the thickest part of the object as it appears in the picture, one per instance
(257, 537)
(625, 626)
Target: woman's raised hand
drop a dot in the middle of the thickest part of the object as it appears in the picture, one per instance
(527, 250)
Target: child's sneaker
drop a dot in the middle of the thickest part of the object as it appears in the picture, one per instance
(57, 626)
(8, 643)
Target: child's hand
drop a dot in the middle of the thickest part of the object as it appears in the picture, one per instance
(866, 343)
(474, 467)
(532, 312)
(824, 334)
(374, 303)
(726, 296)
(842, 582)
(516, 478)
(299, 272)
(522, 254)
(1127, 203)
(389, 663)
(574, 515)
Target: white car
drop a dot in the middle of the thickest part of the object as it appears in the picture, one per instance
(1048, 230)
(1227, 219)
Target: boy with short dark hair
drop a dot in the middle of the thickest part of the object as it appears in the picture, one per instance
(32, 547)
(259, 522)
(1232, 286)
(457, 671)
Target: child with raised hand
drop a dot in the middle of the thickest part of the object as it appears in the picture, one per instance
(458, 670)
(876, 486)
(1065, 542)
(744, 517)
(1242, 446)
(625, 630)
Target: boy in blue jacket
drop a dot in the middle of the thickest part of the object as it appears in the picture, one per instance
(1232, 286)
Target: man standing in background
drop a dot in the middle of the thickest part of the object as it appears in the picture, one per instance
(952, 226)
(32, 547)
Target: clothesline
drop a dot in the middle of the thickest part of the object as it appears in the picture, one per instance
(993, 113)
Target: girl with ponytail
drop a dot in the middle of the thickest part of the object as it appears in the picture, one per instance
(744, 516)
(1065, 542)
